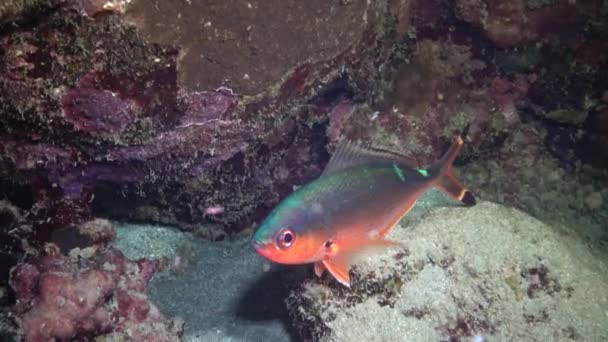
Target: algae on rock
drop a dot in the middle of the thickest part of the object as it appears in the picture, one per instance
(488, 272)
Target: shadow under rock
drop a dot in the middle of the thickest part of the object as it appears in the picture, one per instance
(265, 299)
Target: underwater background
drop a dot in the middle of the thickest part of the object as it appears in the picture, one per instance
(143, 142)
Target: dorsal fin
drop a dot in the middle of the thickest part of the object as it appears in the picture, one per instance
(349, 154)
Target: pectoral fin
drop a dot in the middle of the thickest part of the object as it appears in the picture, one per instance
(339, 268)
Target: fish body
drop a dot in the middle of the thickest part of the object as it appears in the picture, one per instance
(361, 195)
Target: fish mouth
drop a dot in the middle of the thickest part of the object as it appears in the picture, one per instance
(264, 249)
(256, 244)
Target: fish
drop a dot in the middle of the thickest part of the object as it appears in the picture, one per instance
(351, 207)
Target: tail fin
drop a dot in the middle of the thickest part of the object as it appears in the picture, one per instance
(446, 180)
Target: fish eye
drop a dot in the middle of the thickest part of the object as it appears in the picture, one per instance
(286, 238)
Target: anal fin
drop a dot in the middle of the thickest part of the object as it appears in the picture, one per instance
(319, 268)
(339, 263)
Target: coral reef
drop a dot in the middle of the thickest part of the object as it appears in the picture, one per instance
(524, 174)
(103, 116)
(14, 10)
(521, 22)
(450, 284)
(204, 114)
(92, 291)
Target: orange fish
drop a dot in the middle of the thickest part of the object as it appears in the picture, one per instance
(356, 202)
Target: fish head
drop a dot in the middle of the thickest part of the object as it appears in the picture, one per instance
(287, 236)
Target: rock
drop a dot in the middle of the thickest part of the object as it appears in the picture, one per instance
(487, 272)
(103, 295)
(12, 249)
(518, 23)
(593, 147)
(8, 328)
(92, 8)
(105, 114)
(204, 127)
(432, 98)
(519, 60)
(573, 117)
(99, 231)
(12, 10)
(594, 200)
(93, 234)
(79, 288)
(246, 45)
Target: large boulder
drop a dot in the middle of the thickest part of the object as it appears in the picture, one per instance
(190, 112)
(486, 272)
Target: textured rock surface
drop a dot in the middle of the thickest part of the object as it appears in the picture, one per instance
(102, 113)
(487, 271)
(89, 291)
(521, 22)
(258, 37)
(11, 10)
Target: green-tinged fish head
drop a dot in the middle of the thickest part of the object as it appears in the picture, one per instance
(286, 236)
